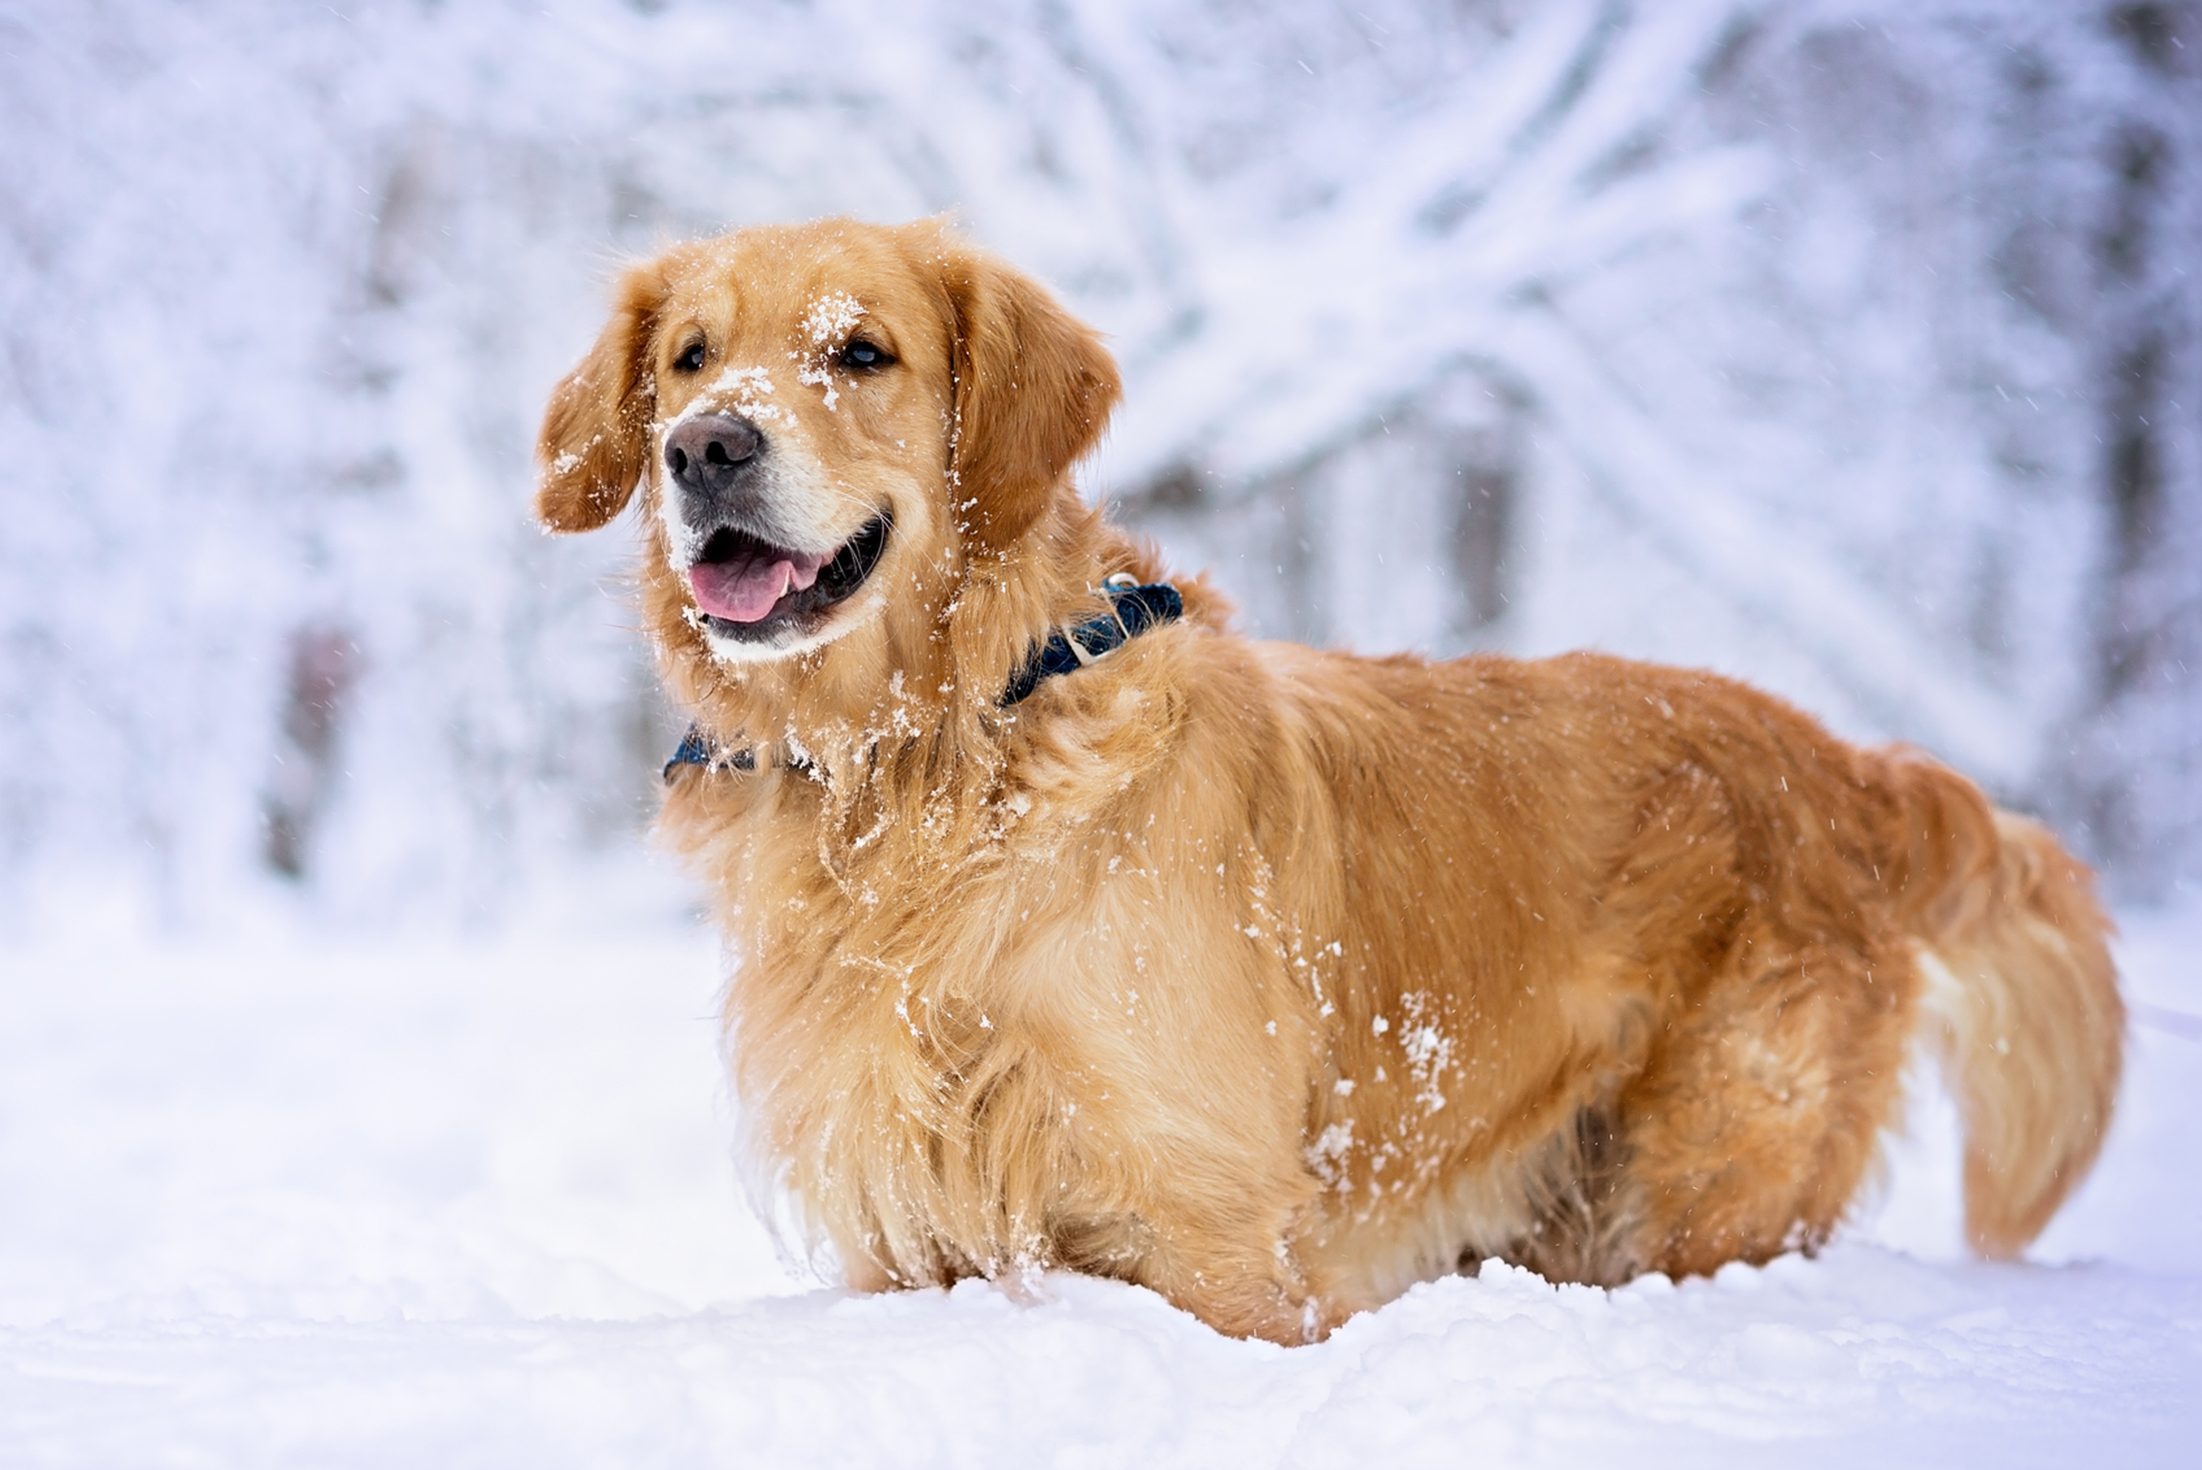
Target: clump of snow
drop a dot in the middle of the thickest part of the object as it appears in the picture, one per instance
(1326, 1156)
(1429, 1050)
(831, 317)
(827, 322)
(742, 389)
(811, 376)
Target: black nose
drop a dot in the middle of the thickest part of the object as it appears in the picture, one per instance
(707, 452)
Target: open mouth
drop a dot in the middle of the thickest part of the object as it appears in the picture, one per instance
(746, 586)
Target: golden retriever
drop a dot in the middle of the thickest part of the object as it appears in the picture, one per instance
(1272, 978)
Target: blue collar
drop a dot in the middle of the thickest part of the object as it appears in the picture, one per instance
(1133, 609)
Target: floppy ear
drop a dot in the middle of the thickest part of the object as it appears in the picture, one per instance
(1034, 387)
(597, 428)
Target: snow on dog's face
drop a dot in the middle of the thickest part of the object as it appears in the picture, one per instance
(821, 417)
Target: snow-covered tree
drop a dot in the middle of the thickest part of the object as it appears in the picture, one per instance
(1851, 346)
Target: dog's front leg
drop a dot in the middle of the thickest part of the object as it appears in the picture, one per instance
(1236, 1273)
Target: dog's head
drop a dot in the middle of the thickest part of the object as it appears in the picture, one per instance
(821, 419)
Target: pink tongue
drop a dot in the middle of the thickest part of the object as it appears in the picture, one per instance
(745, 589)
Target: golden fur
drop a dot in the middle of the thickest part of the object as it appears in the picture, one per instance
(1272, 978)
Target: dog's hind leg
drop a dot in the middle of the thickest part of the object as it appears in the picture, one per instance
(1759, 1111)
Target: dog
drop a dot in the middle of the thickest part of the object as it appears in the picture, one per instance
(1077, 930)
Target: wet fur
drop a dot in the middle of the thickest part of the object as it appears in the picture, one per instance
(1272, 978)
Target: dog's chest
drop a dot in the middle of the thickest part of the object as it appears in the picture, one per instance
(995, 1106)
(961, 1136)
(1006, 1058)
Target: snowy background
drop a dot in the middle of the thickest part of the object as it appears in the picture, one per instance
(358, 1100)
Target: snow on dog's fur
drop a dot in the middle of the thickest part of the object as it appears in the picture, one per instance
(1272, 978)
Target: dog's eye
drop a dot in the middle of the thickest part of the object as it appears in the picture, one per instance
(690, 359)
(862, 355)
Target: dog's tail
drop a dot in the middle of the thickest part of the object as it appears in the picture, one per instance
(2017, 993)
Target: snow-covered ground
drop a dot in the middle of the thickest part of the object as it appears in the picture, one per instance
(310, 1201)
